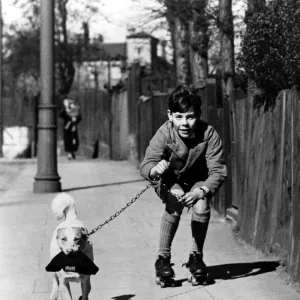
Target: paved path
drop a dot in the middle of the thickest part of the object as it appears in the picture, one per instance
(125, 249)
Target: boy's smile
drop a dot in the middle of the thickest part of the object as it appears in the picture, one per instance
(184, 123)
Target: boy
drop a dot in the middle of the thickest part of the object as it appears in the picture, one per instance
(184, 161)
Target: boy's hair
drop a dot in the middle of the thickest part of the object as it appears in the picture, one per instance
(183, 98)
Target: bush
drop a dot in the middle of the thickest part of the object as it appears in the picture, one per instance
(270, 48)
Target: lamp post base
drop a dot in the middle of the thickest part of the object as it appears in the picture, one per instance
(44, 186)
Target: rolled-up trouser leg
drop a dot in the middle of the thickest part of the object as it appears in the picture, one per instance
(169, 224)
(199, 226)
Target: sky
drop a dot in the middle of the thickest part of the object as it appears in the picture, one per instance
(120, 15)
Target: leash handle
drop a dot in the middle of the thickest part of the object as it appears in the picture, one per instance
(158, 177)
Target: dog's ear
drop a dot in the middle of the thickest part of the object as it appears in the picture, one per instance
(59, 232)
(84, 232)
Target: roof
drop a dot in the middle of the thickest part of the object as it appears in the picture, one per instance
(115, 50)
(141, 35)
(105, 51)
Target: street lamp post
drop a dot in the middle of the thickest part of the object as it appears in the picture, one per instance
(1, 80)
(47, 179)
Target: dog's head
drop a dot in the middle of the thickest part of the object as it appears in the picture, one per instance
(71, 239)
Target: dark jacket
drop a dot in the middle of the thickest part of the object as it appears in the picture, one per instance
(196, 165)
(71, 139)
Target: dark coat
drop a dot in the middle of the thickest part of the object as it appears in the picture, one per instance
(71, 139)
(196, 165)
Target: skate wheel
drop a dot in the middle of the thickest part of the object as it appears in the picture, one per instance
(157, 281)
(194, 281)
(162, 284)
(189, 277)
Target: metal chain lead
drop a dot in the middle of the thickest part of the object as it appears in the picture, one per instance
(120, 211)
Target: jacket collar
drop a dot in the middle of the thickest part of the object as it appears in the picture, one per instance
(178, 147)
(194, 153)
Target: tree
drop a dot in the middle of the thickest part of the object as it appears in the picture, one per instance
(177, 14)
(199, 42)
(23, 44)
(254, 6)
(269, 53)
(64, 51)
(65, 12)
(188, 24)
(227, 45)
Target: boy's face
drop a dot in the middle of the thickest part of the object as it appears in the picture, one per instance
(184, 123)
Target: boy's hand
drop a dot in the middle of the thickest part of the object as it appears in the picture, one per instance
(189, 199)
(159, 168)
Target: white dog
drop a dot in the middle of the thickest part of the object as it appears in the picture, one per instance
(69, 236)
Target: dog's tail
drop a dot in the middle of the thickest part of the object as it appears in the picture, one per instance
(63, 207)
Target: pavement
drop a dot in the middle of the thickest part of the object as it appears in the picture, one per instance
(125, 249)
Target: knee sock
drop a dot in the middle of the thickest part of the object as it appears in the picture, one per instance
(199, 225)
(168, 228)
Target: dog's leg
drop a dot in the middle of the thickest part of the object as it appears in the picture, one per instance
(85, 287)
(65, 290)
(54, 293)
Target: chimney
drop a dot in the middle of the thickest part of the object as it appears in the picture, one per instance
(131, 30)
(78, 38)
(100, 38)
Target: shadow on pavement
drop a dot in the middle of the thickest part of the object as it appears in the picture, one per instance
(225, 272)
(208, 281)
(123, 297)
(102, 185)
(240, 270)
(179, 282)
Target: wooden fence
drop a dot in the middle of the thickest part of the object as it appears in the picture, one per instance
(266, 180)
(20, 111)
(120, 125)
(94, 129)
(151, 115)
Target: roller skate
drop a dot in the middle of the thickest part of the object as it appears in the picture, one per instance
(198, 272)
(164, 272)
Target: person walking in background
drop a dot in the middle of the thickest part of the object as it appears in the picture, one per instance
(184, 161)
(71, 116)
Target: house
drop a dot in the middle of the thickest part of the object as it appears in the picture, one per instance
(106, 64)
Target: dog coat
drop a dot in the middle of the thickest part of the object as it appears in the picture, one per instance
(77, 262)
